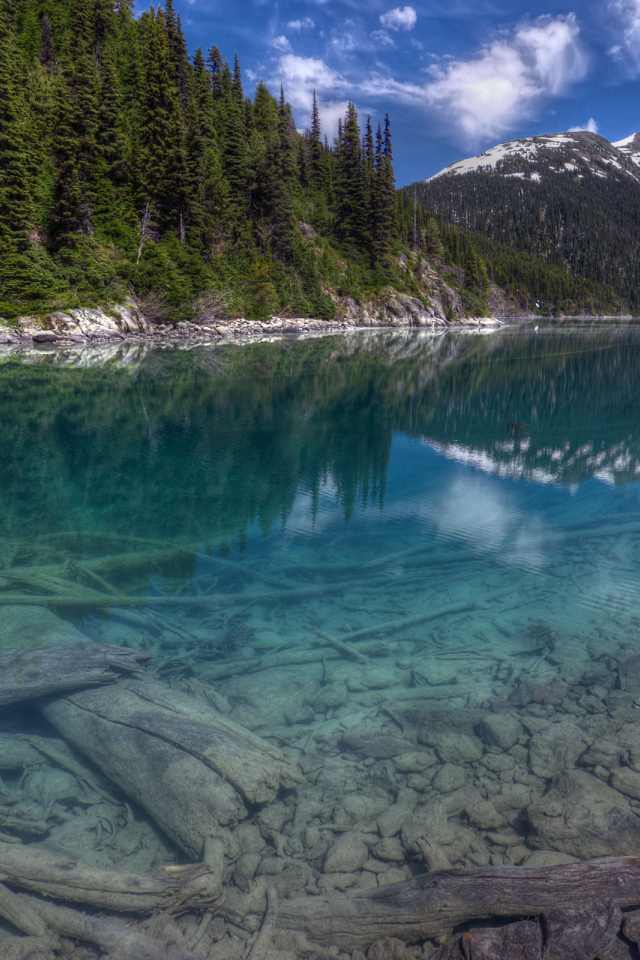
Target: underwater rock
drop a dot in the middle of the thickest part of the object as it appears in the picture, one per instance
(267, 696)
(584, 817)
(428, 820)
(378, 740)
(555, 749)
(455, 747)
(390, 822)
(449, 778)
(32, 628)
(501, 730)
(346, 854)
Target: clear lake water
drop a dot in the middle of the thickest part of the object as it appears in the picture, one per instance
(410, 562)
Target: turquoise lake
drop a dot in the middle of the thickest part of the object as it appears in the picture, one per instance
(409, 562)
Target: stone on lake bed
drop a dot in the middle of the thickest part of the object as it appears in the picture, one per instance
(389, 848)
(414, 761)
(582, 816)
(390, 822)
(556, 749)
(499, 729)
(428, 820)
(346, 854)
(32, 628)
(449, 778)
(456, 747)
(484, 816)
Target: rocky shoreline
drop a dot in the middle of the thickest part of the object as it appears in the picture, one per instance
(126, 321)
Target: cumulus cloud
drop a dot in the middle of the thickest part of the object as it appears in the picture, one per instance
(591, 126)
(626, 14)
(400, 18)
(298, 25)
(485, 95)
(300, 76)
(281, 43)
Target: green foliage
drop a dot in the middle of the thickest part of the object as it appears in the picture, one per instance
(528, 281)
(586, 227)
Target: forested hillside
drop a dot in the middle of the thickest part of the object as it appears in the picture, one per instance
(126, 163)
(129, 165)
(571, 201)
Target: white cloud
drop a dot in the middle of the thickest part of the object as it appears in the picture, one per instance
(591, 126)
(300, 76)
(626, 13)
(281, 43)
(297, 25)
(488, 94)
(382, 37)
(400, 18)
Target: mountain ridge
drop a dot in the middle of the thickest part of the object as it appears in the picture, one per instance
(569, 199)
(570, 147)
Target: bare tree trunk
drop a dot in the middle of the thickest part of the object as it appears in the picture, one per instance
(37, 673)
(143, 231)
(433, 904)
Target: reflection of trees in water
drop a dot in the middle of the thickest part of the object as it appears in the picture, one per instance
(238, 431)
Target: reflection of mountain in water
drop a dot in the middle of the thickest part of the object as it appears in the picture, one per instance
(197, 445)
(570, 464)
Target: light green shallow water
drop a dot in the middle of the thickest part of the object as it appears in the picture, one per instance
(370, 488)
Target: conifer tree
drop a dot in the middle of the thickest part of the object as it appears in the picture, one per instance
(237, 80)
(162, 131)
(16, 207)
(383, 198)
(316, 169)
(76, 122)
(351, 214)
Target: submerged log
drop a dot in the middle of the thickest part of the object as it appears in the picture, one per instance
(37, 673)
(433, 904)
(47, 921)
(34, 868)
(186, 764)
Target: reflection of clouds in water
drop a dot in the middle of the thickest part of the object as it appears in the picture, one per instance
(302, 518)
(484, 514)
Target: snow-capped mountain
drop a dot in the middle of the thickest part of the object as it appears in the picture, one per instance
(569, 199)
(580, 153)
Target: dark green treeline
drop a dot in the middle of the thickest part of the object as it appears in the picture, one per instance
(127, 164)
(519, 268)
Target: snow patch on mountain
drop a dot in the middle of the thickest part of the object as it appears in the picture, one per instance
(579, 153)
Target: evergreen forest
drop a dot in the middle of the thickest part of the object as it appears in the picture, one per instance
(586, 226)
(132, 166)
(129, 165)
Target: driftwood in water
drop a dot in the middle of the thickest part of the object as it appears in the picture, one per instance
(38, 673)
(48, 921)
(185, 763)
(585, 931)
(433, 904)
(38, 870)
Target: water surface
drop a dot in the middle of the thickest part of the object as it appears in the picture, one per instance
(462, 510)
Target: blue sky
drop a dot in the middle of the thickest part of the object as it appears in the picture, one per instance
(455, 76)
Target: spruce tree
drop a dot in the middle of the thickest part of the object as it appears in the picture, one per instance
(76, 123)
(316, 167)
(383, 196)
(350, 213)
(16, 206)
(162, 132)
(237, 80)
